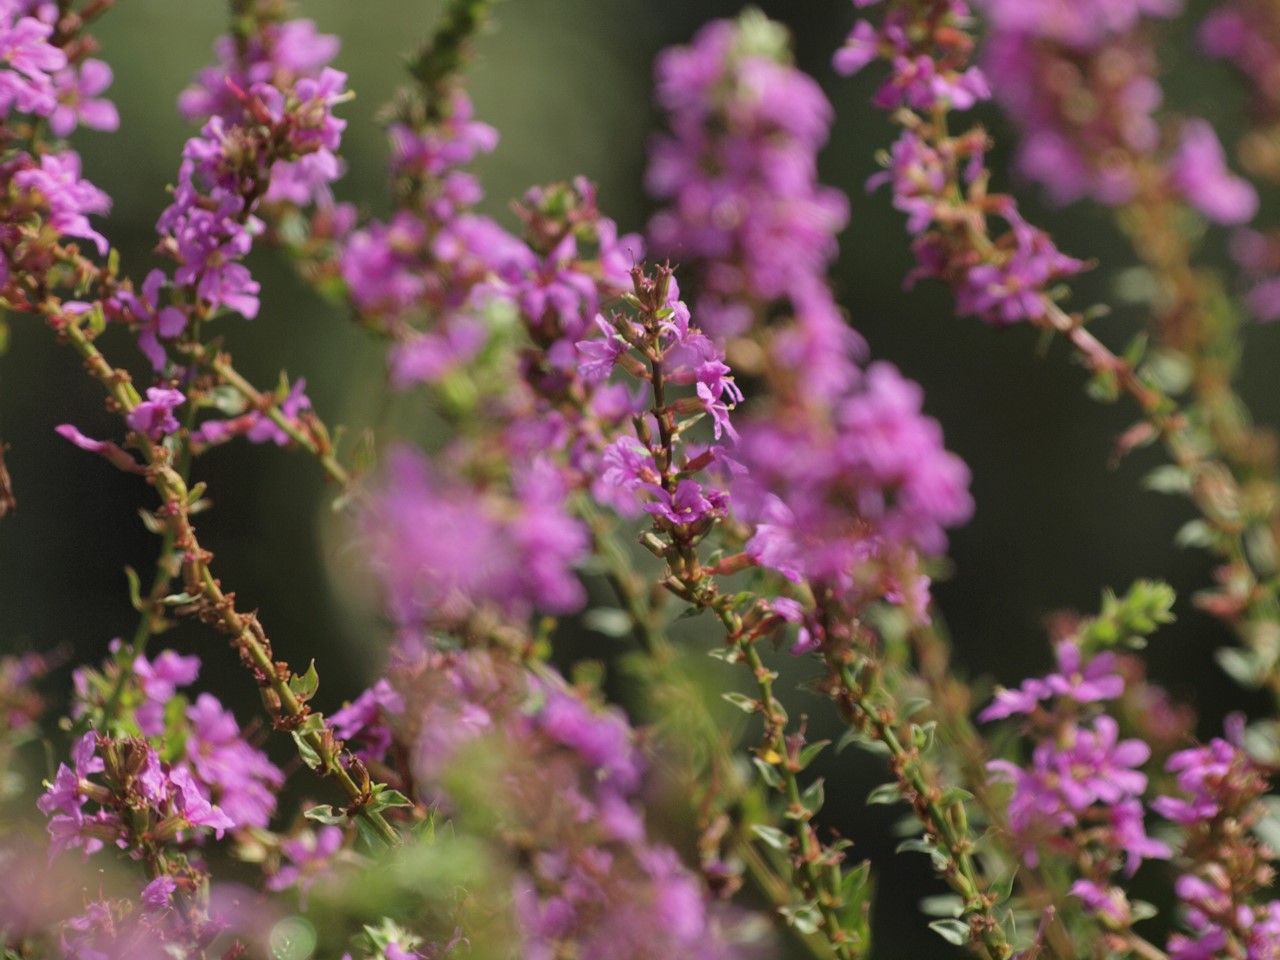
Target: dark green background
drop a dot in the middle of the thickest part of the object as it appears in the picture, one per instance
(567, 82)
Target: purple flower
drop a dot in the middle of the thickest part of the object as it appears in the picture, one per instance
(1095, 681)
(739, 174)
(598, 355)
(310, 855)
(1075, 23)
(1011, 287)
(154, 416)
(1198, 170)
(602, 739)
(445, 550)
(689, 505)
(240, 777)
(68, 197)
(78, 103)
(845, 502)
(1130, 835)
(365, 719)
(155, 321)
(277, 54)
(1110, 902)
(627, 467)
(1219, 779)
(29, 61)
(381, 267)
(264, 429)
(160, 679)
(1097, 767)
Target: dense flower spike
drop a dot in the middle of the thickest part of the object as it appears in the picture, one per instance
(939, 179)
(590, 880)
(1047, 59)
(849, 503)
(445, 551)
(739, 170)
(1043, 57)
(1246, 34)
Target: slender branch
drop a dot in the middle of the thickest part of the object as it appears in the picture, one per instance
(208, 600)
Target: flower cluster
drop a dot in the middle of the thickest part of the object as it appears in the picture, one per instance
(1220, 789)
(851, 502)
(1246, 34)
(445, 550)
(1082, 794)
(739, 172)
(1079, 79)
(271, 139)
(134, 785)
(645, 469)
(590, 880)
(843, 480)
(940, 181)
(215, 764)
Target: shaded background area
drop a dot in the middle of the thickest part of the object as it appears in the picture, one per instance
(567, 82)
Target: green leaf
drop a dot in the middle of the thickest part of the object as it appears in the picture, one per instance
(814, 796)
(607, 621)
(952, 931)
(851, 736)
(384, 798)
(1103, 386)
(135, 588)
(877, 747)
(922, 735)
(179, 599)
(921, 845)
(954, 794)
(805, 917)
(1194, 533)
(811, 751)
(742, 701)
(1168, 478)
(913, 706)
(778, 839)
(306, 751)
(886, 793)
(942, 905)
(372, 839)
(1141, 910)
(1002, 888)
(768, 773)
(195, 493)
(304, 687)
(326, 814)
(1240, 665)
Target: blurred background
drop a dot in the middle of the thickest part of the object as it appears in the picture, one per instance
(567, 83)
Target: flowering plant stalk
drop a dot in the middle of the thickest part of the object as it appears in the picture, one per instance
(672, 437)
